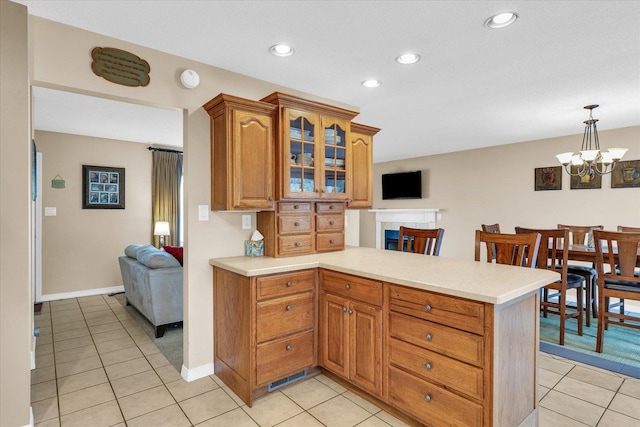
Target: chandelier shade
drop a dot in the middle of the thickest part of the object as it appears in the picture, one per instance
(591, 160)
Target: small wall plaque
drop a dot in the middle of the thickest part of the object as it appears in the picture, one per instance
(119, 66)
(549, 178)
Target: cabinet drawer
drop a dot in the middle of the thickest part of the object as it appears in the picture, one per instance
(285, 284)
(295, 224)
(329, 223)
(329, 242)
(297, 244)
(329, 207)
(291, 207)
(352, 287)
(429, 403)
(283, 316)
(455, 312)
(280, 358)
(438, 338)
(437, 368)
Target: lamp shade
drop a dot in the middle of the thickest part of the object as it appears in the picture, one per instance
(161, 229)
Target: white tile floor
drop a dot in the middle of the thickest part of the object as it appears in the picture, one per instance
(97, 367)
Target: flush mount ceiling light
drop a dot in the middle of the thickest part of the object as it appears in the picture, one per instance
(408, 58)
(590, 156)
(501, 20)
(189, 79)
(281, 50)
(371, 83)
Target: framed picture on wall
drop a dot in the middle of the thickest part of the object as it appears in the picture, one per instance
(586, 182)
(549, 178)
(102, 187)
(626, 175)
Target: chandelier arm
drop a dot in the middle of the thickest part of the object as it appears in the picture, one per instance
(581, 170)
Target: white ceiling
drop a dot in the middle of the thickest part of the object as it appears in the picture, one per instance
(474, 87)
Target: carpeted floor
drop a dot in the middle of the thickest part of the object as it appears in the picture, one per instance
(170, 344)
(621, 345)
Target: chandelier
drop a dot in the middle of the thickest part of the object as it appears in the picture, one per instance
(591, 161)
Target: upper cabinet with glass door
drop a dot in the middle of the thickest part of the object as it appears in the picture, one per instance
(313, 151)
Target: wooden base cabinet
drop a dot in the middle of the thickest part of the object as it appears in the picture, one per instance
(264, 329)
(350, 329)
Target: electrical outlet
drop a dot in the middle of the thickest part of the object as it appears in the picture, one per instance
(246, 222)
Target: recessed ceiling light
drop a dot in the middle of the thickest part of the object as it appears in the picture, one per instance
(371, 83)
(408, 58)
(281, 50)
(501, 20)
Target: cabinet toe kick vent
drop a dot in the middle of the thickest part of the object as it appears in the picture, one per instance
(287, 380)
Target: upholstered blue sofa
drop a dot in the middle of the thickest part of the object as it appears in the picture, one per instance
(152, 280)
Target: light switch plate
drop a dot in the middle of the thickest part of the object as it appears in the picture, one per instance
(203, 212)
(246, 222)
(49, 211)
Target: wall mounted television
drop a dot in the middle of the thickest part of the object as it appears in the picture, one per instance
(402, 185)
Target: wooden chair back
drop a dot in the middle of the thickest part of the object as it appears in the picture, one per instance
(553, 253)
(625, 229)
(421, 241)
(491, 228)
(511, 249)
(578, 233)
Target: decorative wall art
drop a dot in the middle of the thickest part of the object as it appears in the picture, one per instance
(548, 178)
(119, 66)
(626, 175)
(585, 182)
(102, 187)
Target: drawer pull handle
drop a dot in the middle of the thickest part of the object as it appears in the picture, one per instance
(350, 311)
(297, 224)
(332, 241)
(344, 309)
(297, 244)
(428, 337)
(427, 307)
(427, 398)
(347, 286)
(289, 284)
(330, 206)
(331, 222)
(289, 347)
(427, 366)
(295, 206)
(288, 308)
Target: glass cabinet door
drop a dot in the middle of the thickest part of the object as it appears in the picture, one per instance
(300, 142)
(334, 169)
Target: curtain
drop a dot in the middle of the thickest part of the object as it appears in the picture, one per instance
(165, 188)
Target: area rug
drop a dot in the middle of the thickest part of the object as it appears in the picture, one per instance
(170, 344)
(621, 345)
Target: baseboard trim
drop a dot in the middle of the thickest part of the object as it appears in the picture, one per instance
(79, 294)
(197, 372)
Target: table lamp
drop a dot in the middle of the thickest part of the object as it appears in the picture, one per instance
(161, 229)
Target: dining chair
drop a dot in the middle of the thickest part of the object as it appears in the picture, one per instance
(625, 229)
(617, 277)
(577, 236)
(553, 255)
(491, 228)
(420, 240)
(511, 249)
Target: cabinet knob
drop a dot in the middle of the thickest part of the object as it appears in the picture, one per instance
(332, 241)
(288, 308)
(427, 307)
(331, 222)
(350, 311)
(331, 206)
(297, 244)
(297, 224)
(289, 347)
(289, 284)
(347, 286)
(344, 309)
(271, 198)
(295, 206)
(427, 366)
(428, 337)
(427, 398)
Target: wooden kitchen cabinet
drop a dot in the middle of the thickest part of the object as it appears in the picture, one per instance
(264, 328)
(361, 166)
(350, 329)
(243, 136)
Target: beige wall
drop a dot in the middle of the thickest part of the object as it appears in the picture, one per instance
(81, 246)
(16, 309)
(496, 184)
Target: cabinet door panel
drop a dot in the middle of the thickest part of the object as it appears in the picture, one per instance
(334, 334)
(365, 369)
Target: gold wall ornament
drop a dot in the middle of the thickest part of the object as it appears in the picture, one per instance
(120, 67)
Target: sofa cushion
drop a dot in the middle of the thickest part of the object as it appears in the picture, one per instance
(176, 251)
(155, 258)
(132, 250)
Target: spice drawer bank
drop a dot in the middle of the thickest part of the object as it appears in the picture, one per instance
(442, 341)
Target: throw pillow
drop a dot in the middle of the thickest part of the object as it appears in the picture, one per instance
(155, 258)
(176, 251)
(131, 250)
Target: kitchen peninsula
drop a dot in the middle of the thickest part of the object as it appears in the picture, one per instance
(445, 341)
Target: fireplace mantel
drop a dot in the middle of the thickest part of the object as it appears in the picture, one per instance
(422, 216)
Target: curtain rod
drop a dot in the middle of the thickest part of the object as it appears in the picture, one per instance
(164, 149)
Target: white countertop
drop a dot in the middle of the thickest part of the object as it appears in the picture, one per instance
(480, 281)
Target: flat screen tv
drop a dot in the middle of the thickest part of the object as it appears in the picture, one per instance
(402, 185)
